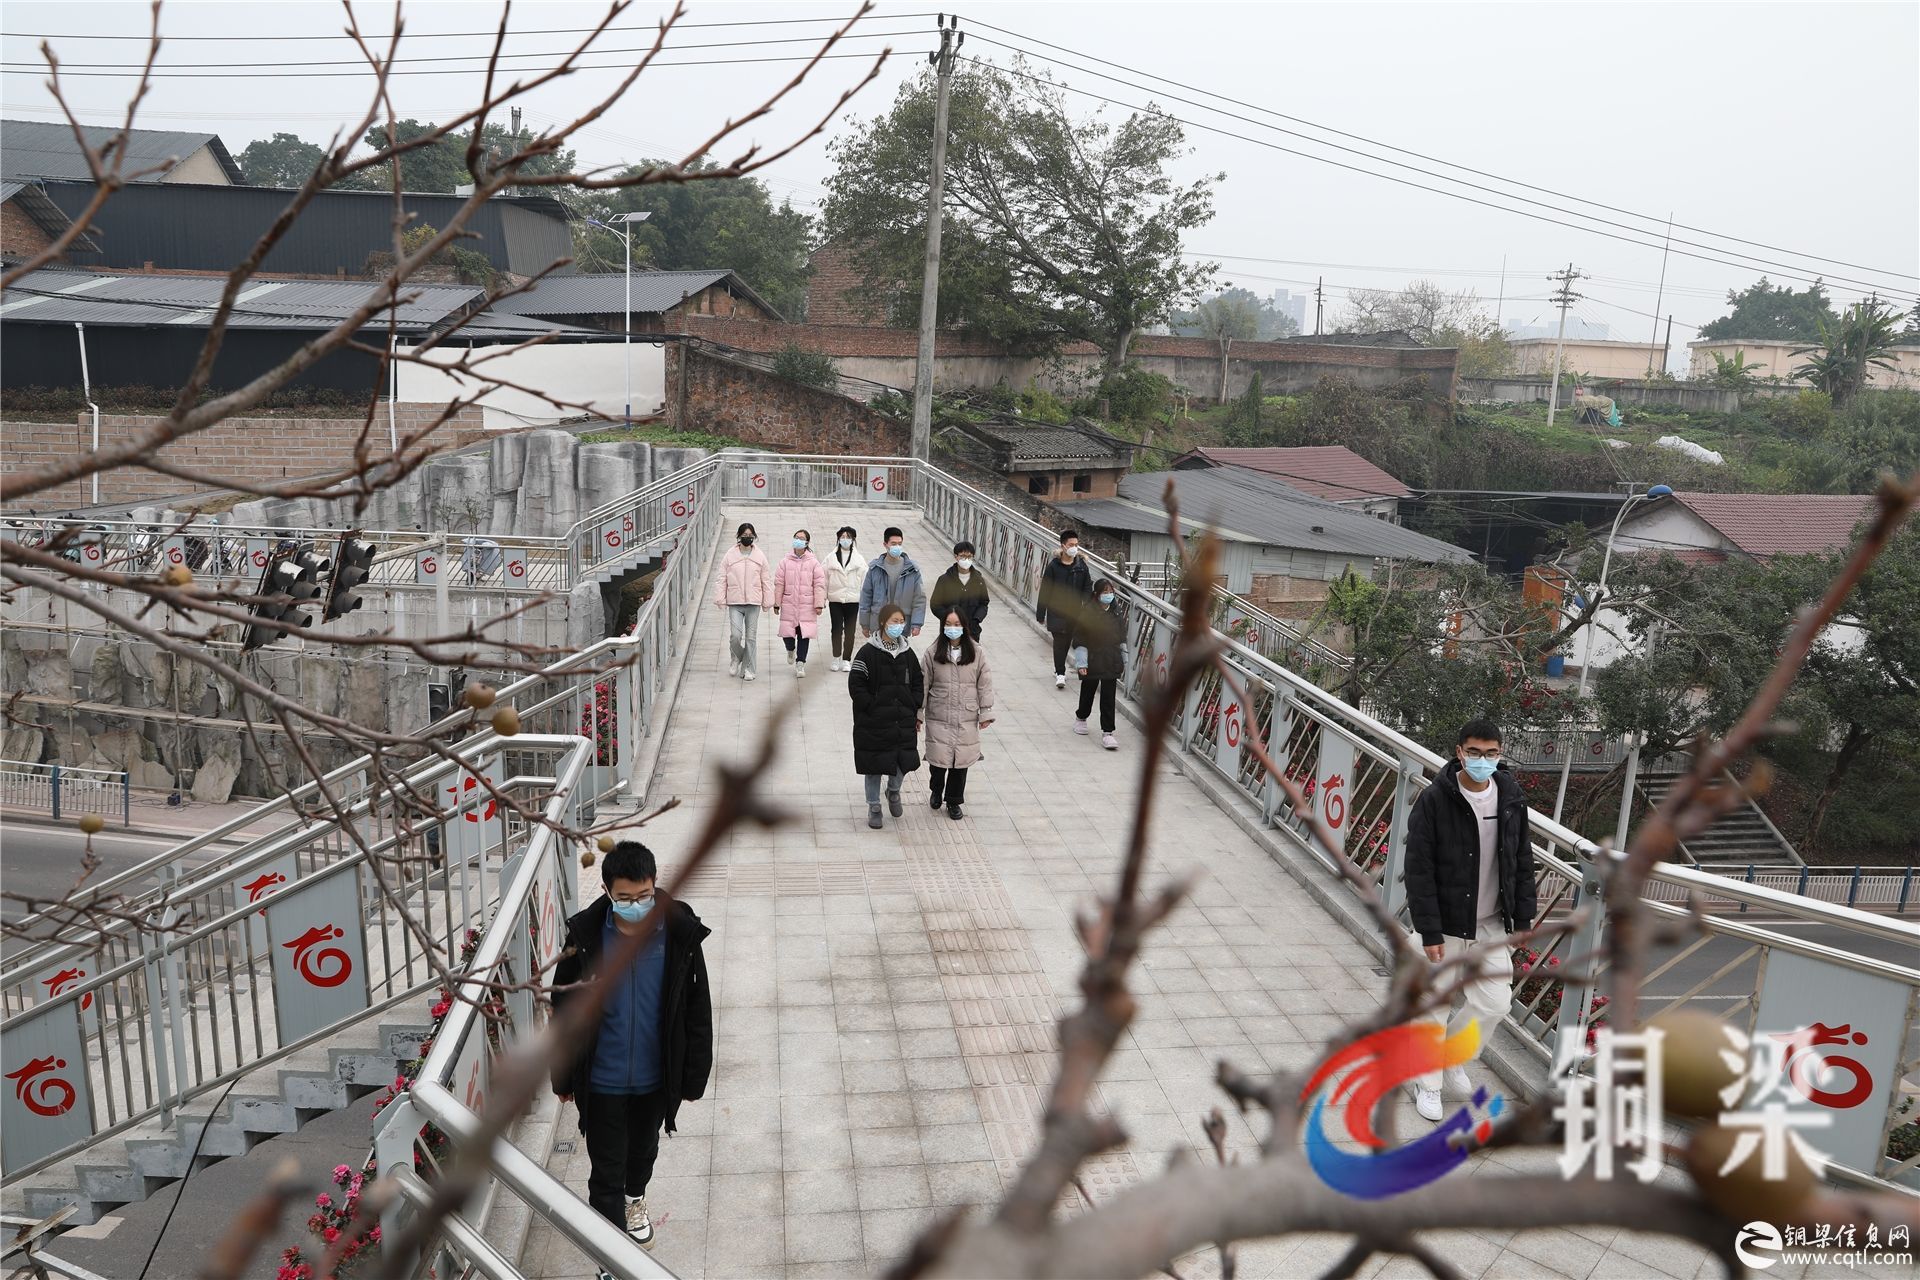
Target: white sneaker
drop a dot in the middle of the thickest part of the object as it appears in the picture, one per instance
(748, 676)
(1059, 682)
(789, 657)
(733, 668)
(1107, 741)
(1427, 1103)
(800, 670)
(639, 1225)
(1456, 1080)
(1080, 727)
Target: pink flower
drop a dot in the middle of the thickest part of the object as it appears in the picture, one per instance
(374, 1235)
(341, 1171)
(440, 1010)
(330, 1234)
(323, 1200)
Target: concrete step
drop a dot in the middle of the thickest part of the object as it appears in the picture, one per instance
(277, 1097)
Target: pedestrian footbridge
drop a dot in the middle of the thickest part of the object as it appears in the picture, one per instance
(885, 1000)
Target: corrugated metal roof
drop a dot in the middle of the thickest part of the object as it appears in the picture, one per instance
(46, 149)
(1779, 524)
(1040, 442)
(605, 293)
(1246, 506)
(488, 325)
(1332, 471)
(45, 213)
(69, 297)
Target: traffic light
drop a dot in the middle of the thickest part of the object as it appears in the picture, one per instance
(288, 583)
(352, 566)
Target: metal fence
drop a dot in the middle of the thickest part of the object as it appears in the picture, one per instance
(1362, 776)
(1862, 887)
(64, 792)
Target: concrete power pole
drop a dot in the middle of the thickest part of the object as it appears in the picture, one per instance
(922, 444)
(1319, 303)
(1566, 297)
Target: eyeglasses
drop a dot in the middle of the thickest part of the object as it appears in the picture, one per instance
(631, 897)
(1475, 753)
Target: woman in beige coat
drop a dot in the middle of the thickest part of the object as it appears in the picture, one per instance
(959, 704)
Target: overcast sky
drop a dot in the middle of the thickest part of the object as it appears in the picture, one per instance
(1793, 125)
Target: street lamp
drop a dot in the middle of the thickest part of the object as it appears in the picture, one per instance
(626, 246)
(1586, 661)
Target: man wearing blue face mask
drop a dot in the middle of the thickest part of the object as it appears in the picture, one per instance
(652, 1046)
(1470, 882)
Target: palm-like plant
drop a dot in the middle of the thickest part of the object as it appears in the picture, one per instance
(1849, 351)
(1734, 374)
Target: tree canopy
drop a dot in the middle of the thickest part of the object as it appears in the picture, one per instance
(1766, 310)
(1422, 309)
(1203, 321)
(721, 222)
(284, 160)
(1055, 227)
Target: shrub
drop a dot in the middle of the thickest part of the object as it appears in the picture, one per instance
(1040, 405)
(999, 398)
(809, 367)
(1132, 395)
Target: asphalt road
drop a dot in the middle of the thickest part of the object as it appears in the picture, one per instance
(1707, 960)
(43, 861)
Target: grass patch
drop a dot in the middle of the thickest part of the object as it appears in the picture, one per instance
(660, 434)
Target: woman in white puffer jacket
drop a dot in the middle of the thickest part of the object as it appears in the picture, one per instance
(846, 571)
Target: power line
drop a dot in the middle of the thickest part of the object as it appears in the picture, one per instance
(441, 71)
(1423, 156)
(458, 35)
(480, 59)
(1903, 295)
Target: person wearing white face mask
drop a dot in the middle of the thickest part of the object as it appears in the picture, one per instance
(888, 688)
(959, 705)
(1099, 634)
(1065, 585)
(846, 573)
(964, 588)
(1470, 882)
(799, 598)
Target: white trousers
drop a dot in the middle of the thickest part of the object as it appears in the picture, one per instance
(1488, 997)
(743, 634)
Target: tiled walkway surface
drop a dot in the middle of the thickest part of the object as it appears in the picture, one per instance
(885, 999)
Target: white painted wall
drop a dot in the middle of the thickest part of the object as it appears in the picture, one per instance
(590, 373)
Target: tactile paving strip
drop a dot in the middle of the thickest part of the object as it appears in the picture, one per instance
(1004, 1010)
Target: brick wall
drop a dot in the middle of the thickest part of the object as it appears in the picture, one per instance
(1105, 484)
(20, 235)
(725, 398)
(833, 290)
(240, 449)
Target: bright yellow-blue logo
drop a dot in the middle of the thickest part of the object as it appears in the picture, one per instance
(1363, 1073)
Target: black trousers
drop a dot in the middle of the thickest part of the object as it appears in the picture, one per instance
(801, 642)
(1062, 641)
(846, 625)
(623, 1140)
(1109, 688)
(949, 786)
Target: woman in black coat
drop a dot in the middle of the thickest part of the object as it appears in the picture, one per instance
(888, 688)
(1099, 631)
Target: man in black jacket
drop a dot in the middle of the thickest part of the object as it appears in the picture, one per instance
(652, 1046)
(1065, 585)
(1470, 882)
(961, 587)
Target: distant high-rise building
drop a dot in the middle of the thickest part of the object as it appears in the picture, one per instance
(1293, 304)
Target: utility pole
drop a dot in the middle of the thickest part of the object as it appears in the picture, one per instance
(1566, 297)
(922, 443)
(1660, 296)
(1319, 303)
(1500, 309)
(1666, 348)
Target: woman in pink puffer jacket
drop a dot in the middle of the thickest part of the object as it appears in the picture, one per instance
(799, 597)
(744, 590)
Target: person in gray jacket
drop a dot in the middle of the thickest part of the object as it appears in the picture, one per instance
(893, 578)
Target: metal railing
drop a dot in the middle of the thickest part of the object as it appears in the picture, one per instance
(1362, 777)
(608, 691)
(64, 792)
(1860, 887)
